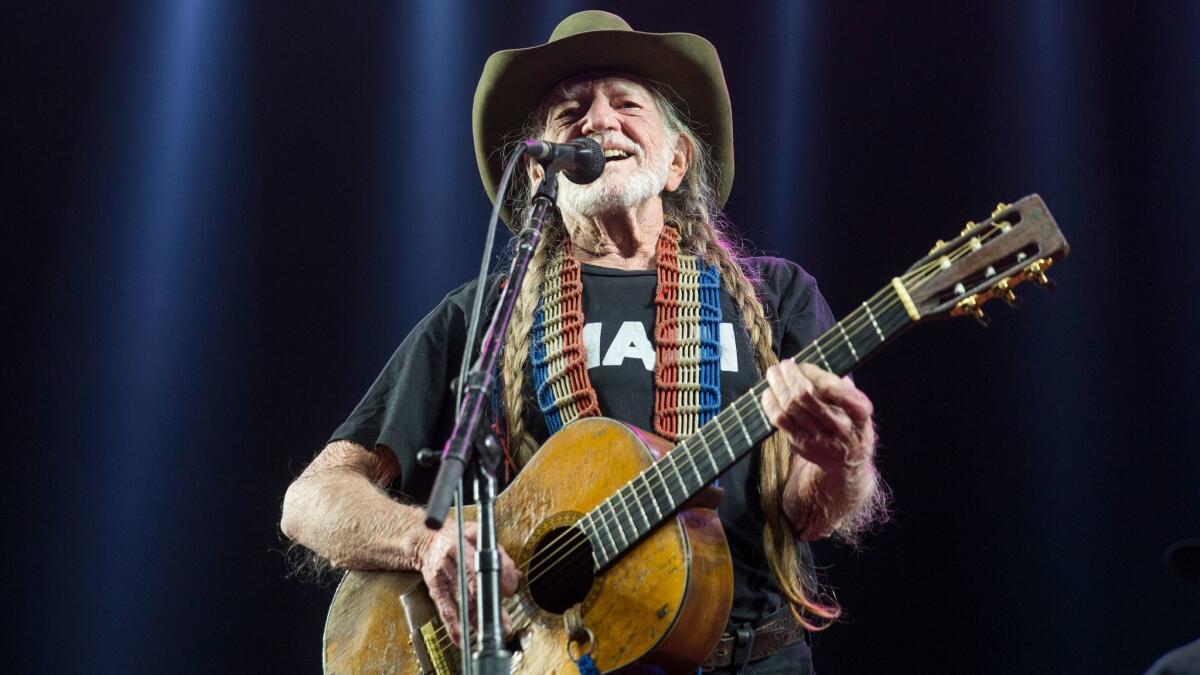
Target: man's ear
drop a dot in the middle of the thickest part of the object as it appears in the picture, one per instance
(681, 159)
(535, 171)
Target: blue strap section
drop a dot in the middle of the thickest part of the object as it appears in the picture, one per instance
(537, 356)
(710, 352)
(710, 341)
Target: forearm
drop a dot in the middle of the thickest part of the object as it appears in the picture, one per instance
(821, 502)
(339, 513)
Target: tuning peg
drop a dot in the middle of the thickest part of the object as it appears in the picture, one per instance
(936, 246)
(968, 227)
(981, 317)
(971, 306)
(1000, 207)
(1002, 289)
(1036, 272)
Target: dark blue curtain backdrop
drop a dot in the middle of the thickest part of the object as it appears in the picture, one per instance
(219, 218)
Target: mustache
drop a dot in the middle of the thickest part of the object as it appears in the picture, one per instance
(615, 140)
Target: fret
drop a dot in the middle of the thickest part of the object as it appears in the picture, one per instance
(608, 527)
(728, 446)
(721, 429)
(848, 342)
(762, 414)
(840, 356)
(672, 456)
(638, 500)
(874, 323)
(654, 499)
(646, 480)
(699, 479)
(760, 418)
(599, 554)
(623, 521)
(817, 345)
(741, 423)
(613, 526)
(723, 435)
(712, 459)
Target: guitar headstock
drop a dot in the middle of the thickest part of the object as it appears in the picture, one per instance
(987, 260)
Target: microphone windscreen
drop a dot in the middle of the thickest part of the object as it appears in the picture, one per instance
(589, 158)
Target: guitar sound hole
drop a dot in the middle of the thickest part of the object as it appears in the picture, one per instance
(560, 571)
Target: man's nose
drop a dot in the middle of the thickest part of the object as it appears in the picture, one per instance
(600, 117)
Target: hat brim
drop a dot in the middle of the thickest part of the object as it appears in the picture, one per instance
(514, 82)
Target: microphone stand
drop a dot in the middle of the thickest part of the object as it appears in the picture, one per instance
(471, 431)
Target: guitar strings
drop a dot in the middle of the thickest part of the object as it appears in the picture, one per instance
(921, 275)
(517, 613)
(607, 521)
(549, 558)
(917, 277)
(855, 323)
(852, 323)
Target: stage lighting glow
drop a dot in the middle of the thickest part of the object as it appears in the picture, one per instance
(160, 215)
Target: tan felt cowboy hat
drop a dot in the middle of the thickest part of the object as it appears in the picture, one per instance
(514, 81)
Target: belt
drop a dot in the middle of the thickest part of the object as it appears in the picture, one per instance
(751, 643)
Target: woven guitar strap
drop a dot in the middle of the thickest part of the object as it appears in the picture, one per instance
(687, 373)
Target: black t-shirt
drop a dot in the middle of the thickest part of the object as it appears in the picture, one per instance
(410, 405)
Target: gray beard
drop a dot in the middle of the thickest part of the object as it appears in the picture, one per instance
(610, 193)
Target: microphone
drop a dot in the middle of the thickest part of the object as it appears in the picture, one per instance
(582, 160)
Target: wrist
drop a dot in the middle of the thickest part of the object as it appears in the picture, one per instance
(849, 462)
(845, 457)
(849, 466)
(422, 541)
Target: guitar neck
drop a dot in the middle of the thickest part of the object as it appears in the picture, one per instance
(647, 500)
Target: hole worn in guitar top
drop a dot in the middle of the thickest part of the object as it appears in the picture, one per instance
(560, 571)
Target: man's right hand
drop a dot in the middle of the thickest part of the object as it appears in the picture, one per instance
(342, 491)
(438, 554)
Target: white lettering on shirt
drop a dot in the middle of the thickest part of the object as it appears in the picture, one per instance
(728, 348)
(631, 341)
(591, 344)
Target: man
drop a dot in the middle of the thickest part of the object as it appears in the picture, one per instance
(619, 261)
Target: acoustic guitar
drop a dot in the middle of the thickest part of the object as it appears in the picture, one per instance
(600, 522)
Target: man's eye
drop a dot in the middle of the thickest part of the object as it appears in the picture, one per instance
(568, 113)
(629, 104)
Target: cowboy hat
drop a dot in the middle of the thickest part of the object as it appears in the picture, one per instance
(514, 81)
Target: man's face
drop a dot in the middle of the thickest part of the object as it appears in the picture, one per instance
(642, 157)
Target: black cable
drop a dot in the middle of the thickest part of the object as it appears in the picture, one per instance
(464, 599)
(477, 303)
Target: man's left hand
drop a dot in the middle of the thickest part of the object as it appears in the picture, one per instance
(828, 418)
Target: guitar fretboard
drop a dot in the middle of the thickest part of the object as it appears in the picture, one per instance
(644, 502)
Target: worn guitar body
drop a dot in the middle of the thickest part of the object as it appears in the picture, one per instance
(665, 601)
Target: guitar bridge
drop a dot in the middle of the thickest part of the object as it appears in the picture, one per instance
(437, 654)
